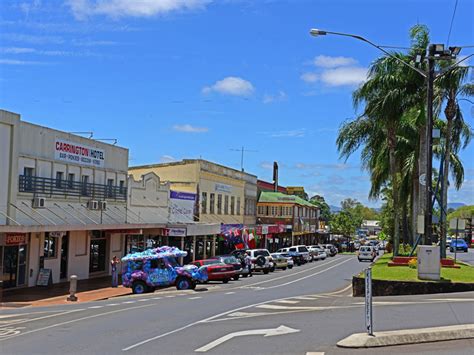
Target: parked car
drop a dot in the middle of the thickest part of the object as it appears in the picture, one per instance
(216, 270)
(321, 254)
(279, 261)
(326, 249)
(144, 271)
(239, 266)
(332, 249)
(296, 258)
(261, 260)
(366, 252)
(301, 249)
(459, 244)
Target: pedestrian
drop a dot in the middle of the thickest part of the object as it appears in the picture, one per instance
(248, 262)
(114, 266)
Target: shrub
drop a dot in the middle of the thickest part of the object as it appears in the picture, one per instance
(412, 264)
(389, 247)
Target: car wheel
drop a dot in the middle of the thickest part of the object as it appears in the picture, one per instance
(139, 287)
(183, 283)
(245, 275)
(225, 281)
(266, 271)
(236, 277)
(283, 268)
(290, 267)
(272, 269)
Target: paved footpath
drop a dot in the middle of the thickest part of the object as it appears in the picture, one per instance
(307, 309)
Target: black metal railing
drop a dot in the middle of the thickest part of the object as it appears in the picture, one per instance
(48, 186)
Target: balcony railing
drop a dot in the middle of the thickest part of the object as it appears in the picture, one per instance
(48, 186)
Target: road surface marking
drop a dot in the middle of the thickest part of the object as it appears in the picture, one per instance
(181, 294)
(128, 302)
(281, 330)
(194, 298)
(157, 298)
(10, 331)
(229, 293)
(246, 314)
(143, 300)
(96, 307)
(287, 301)
(12, 321)
(50, 316)
(208, 319)
(314, 353)
(112, 304)
(169, 296)
(303, 298)
(76, 320)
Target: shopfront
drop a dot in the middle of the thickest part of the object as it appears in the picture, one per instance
(98, 252)
(13, 260)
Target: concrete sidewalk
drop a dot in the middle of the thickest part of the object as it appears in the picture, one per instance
(87, 291)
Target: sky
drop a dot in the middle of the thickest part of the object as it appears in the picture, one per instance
(176, 79)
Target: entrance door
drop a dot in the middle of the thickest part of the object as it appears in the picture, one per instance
(10, 265)
(64, 255)
(98, 255)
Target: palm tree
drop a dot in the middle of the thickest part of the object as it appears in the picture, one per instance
(457, 133)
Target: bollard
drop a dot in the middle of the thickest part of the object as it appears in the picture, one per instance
(72, 289)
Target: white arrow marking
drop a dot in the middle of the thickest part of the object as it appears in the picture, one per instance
(265, 332)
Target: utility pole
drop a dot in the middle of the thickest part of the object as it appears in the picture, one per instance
(242, 151)
(429, 147)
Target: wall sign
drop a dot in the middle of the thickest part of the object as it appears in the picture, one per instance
(182, 206)
(223, 188)
(175, 232)
(15, 239)
(78, 153)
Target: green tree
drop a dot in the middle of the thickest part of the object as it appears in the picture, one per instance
(324, 209)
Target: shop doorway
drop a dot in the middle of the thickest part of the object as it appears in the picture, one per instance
(14, 265)
(98, 254)
(64, 256)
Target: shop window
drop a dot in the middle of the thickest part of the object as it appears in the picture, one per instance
(212, 204)
(50, 246)
(238, 206)
(204, 203)
(70, 180)
(219, 204)
(232, 205)
(226, 204)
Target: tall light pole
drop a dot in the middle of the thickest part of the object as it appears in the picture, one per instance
(435, 51)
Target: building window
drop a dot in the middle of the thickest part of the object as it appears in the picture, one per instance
(238, 206)
(212, 204)
(204, 203)
(280, 211)
(50, 246)
(274, 210)
(70, 180)
(59, 179)
(219, 204)
(122, 186)
(232, 205)
(267, 210)
(226, 204)
(28, 173)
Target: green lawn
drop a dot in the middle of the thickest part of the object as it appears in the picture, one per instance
(381, 271)
(347, 253)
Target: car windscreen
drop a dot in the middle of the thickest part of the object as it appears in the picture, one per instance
(211, 262)
(230, 260)
(302, 249)
(257, 253)
(364, 249)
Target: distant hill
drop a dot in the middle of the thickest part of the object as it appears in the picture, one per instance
(455, 205)
(334, 208)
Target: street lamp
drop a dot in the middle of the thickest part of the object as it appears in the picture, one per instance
(435, 52)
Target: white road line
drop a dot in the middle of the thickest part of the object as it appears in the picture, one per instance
(229, 293)
(208, 319)
(315, 353)
(169, 296)
(301, 308)
(194, 298)
(112, 304)
(303, 298)
(157, 298)
(128, 302)
(288, 301)
(143, 300)
(96, 307)
(75, 321)
(50, 316)
(246, 314)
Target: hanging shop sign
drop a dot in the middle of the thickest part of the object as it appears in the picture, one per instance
(175, 232)
(78, 153)
(15, 239)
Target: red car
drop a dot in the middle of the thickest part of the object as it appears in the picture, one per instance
(216, 270)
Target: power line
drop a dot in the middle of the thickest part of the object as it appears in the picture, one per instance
(452, 21)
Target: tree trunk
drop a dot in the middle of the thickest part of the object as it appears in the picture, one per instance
(392, 140)
(450, 113)
(405, 226)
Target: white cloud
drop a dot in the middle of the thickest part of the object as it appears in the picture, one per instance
(281, 96)
(167, 159)
(18, 62)
(325, 61)
(309, 77)
(17, 50)
(21, 50)
(231, 85)
(187, 128)
(295, 133)
(82, 9)
(344, 76)
(266, 165)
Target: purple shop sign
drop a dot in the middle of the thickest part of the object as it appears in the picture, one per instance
(178, 195)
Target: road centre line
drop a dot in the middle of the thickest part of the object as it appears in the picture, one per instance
(290, 274)
(208, 319)
(287, 301)
(95, 307)
(194, 298)
(50, 316)
(75, 320)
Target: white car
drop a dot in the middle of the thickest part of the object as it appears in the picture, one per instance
(302, 249)
(366, 252)
(317, 252)
(261, 260)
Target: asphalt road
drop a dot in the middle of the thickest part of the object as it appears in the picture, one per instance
(307, 309)
(466, 257)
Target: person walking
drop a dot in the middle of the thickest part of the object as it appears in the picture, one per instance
(114, 266)
(248, 263)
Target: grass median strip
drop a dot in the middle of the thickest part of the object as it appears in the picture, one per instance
(381, 271)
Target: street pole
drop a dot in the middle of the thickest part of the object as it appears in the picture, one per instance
(456, 240)
(429, 147)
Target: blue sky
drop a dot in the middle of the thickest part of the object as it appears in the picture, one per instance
(173, 79)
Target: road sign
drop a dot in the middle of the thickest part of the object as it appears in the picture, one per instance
(368, 301)
(265, 332)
